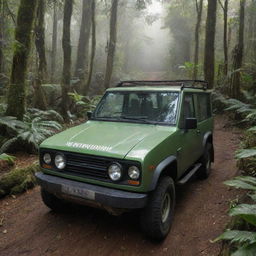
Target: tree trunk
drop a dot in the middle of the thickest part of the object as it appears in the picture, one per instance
(209, 58)
(93, 48)
(66, 45)
(1, 36)
(199, 9)
(225, 38)
(238, 55)
(111, 44)
(40, 99)
(54, 41)
(40, 39)
(84, 38)
(17, 90)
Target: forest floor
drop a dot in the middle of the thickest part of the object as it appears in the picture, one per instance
(30, 228)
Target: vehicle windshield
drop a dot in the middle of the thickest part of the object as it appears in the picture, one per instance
(141, 107)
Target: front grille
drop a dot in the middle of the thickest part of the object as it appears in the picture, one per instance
(87, 166)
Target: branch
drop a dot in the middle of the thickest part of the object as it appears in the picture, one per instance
(221, 4)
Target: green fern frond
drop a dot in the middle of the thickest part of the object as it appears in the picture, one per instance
(245, 211)
(237, 236)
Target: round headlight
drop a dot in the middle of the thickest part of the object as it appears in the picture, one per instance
(47, 158)
(134, 172)
(115, 172)
(60, 162)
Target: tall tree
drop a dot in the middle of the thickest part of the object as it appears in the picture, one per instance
(17, 90)
(111, 44)
(225, 34)
(93, 48)
(66, 45)
(237, 55)
(1, 36)
(40, 99)
(54, 40)
(209, 53)
(199, 10)
(40, 38)
(84, 38)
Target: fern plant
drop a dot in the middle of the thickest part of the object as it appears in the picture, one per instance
(243, 240)
(82, 104)
(30, 132)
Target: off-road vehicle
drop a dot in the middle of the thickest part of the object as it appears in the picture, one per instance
(143, 138)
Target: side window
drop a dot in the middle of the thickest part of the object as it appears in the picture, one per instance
(188, 106)
(203, 107)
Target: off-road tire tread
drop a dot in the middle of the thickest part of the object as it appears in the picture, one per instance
(151, 215)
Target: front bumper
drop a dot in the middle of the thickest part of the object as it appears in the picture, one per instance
(103, 196)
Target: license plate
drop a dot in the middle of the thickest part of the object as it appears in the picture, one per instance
(80, 192)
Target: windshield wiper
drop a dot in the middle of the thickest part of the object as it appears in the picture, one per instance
(143, 119)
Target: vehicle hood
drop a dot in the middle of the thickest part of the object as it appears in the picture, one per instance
(111, 139)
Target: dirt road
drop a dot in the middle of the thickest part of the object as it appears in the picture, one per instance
(29, 228)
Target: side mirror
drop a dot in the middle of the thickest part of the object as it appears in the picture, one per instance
(89, 115)
(190, 123)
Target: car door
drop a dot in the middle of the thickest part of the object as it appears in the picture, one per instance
(204, 115)
(189, 152)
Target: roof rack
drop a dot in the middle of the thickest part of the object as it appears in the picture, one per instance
(195, 84)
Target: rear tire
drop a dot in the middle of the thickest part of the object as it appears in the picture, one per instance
(156, 218)
(53, 202)
(206, 161)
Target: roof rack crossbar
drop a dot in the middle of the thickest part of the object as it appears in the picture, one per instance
(195, 84)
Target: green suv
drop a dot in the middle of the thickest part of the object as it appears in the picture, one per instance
(143, 139)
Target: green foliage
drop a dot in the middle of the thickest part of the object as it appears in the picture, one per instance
(29, 133)
(7, 158)
(244, 241)
(246, 153)
(237, 236)
(82, 104)
(18, 180)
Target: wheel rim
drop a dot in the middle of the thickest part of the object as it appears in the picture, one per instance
(166, 207)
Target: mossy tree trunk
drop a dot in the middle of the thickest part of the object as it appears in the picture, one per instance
(66, 45)
(199, 10)
(17, 90)
(83, 45)
(238, 56)
(93, 48)
(40, 99)
(209, 53)
(54, 41)
(111, 44)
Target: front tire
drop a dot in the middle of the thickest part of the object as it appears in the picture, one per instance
(53, 202)
(157, 217)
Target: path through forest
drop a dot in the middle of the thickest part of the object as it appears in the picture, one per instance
(30, 228)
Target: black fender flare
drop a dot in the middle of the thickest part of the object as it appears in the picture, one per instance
(205, 140)
(160, 167)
